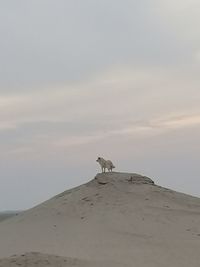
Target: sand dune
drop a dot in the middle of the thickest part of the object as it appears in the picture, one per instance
(114, 220)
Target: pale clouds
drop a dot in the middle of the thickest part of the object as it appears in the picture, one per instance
(119, 102)
(182, 20)
(44, 42)
(197, 55)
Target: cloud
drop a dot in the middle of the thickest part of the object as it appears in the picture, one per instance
(73, 42)
(178, 122)
(182, 18)
(197, 55)
(137, 102)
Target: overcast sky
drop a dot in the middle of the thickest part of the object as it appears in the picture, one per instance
(81, 79)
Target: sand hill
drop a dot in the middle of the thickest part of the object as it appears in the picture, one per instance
(117, 219)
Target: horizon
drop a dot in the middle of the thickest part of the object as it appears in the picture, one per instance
(2, 212)
(84, 79)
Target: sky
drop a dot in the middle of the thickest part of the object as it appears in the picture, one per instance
(82, 79)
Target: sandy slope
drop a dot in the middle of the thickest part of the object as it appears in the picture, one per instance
(110, 222)
(44, 260)
(6, 215)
